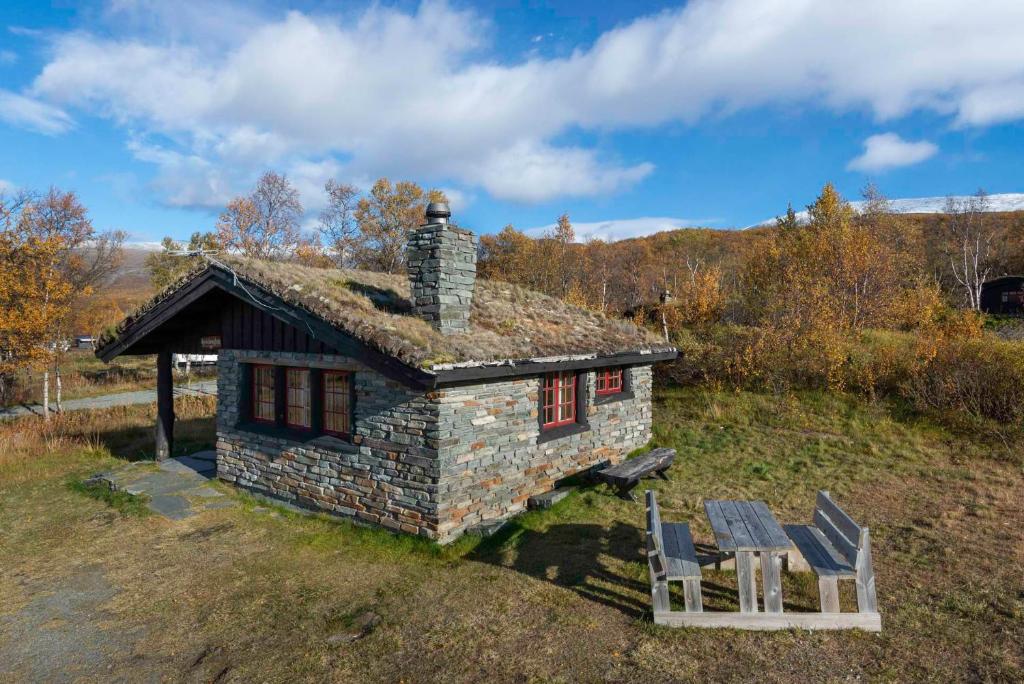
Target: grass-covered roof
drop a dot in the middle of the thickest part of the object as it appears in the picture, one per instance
(507, 322)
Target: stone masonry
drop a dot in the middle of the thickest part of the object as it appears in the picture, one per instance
(491, 463)
(387, 477)
(441, 260)
(433, 464)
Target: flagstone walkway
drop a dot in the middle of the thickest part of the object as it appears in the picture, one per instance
(177, 488)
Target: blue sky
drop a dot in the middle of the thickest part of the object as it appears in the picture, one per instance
(644, 115)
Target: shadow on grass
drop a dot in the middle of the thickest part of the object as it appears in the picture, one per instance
(137, 442)
(574, 556)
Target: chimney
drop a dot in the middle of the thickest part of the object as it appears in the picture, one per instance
(441, 259)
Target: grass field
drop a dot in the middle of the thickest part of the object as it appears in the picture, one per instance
(255, 593)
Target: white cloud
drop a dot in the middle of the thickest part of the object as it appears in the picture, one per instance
(416, 95)
(620, 229)
(26, 112)
(534, 172)
(6, 187)
(889, 151)
(8, 57)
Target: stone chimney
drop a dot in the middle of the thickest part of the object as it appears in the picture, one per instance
(441, 259)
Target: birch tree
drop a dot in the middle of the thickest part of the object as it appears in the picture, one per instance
(970, 244)
(265, 223)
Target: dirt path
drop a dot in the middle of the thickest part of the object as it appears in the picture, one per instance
(108, 400)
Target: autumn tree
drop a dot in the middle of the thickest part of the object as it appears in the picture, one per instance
(59, 259)
(337, 223)
(509, 256)
(384, 219)
(265, 223)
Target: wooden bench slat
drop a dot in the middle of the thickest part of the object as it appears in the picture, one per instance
(719, 525)
(776, 534)
(756, 527)
(632, 470)
(837, 538)
(843, 522)
(818, 551)
(680, 552)
(742, 540)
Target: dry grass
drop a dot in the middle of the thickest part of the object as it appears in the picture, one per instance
(506, 322)
(244, 594)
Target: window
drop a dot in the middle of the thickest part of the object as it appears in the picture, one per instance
(337, 390)
(298, 403)
(559, 401)
(263, 403)
(609, 381)
(298, 407)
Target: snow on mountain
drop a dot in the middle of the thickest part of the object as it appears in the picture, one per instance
(1009, 201)
(620, 229)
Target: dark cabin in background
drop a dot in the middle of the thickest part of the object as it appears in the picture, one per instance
(1003, 295)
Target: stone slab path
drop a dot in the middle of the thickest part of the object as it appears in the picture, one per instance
(177, 488)
(208, 387)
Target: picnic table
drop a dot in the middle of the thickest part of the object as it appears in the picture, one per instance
(746, 528)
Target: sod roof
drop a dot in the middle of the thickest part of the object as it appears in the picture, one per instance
(507, 322)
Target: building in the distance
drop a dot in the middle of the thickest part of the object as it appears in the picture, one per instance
(427, 403)
(1003, 295)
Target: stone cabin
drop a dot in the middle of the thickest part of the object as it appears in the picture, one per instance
(429, 403)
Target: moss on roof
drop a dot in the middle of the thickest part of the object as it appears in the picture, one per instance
(507, 322)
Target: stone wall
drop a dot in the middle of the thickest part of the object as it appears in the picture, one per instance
(389, 477)
(431, 464)
(441, 259)
(491, 462)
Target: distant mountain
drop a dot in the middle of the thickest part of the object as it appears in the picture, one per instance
(1010, 201)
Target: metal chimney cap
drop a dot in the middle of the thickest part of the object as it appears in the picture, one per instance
(438, 212)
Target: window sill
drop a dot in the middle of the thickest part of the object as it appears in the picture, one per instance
(561, 431)
(291, 434)
(602, 399)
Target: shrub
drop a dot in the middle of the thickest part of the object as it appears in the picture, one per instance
(982, 377)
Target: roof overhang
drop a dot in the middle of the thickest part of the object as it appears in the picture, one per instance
(216, 277)
(458, 374)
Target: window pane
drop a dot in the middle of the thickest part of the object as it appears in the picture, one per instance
(298, 399)
(336, 402)
(559, 398)
(263, 393)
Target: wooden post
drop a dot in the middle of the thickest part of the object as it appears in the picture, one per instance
(867, 601)
(164, 406)
(771, 563)
(747, 579)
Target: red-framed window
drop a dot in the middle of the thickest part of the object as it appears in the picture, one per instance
(609, 381)
(298, 399)
(337, 390)
(559, 406)
(263, 396)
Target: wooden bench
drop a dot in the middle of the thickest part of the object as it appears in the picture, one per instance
(627, 475)
(835, 547)
(671, 557)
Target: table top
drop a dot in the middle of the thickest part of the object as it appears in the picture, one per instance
(745, 526)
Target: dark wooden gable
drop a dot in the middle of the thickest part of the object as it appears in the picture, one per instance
(239, 325)
(244, 326)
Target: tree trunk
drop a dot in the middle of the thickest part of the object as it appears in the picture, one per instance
(46, 394)
(56, 375)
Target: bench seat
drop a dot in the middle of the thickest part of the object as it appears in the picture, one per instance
(819, 553)
(680, 552)
(671, 557)
(627, 475)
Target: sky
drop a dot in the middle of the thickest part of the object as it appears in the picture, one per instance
(630, 117)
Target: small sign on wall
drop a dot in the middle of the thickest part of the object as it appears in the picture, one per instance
(210, 342)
